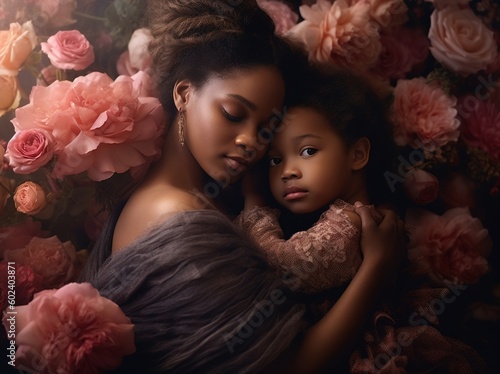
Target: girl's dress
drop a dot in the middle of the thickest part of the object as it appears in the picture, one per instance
(400, 336)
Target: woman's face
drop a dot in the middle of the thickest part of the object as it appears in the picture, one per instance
(227, 121)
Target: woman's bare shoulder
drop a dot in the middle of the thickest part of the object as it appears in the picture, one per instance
(147, 207)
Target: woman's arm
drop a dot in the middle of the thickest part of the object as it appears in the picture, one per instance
(382, 247)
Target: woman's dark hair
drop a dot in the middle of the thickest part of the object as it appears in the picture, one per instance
(201, 297)
(197, 39)
(354, 110)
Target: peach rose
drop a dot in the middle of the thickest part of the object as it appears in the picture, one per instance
(27, 284)
(50, 258)
(481, 127)
(421, 187)
(461, 41)
(16, 45)
(101, 126)
(338, 33)
(29, 150)
(11, 95)
(451, 247)
(29, 198)
(424, 116)
(284, 18)
(59, 13)
(69, 50)
(72, 330)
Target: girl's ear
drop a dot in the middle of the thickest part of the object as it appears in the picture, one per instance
(360, 153)
(181, 92)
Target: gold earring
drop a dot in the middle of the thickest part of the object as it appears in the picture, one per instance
(180, 123)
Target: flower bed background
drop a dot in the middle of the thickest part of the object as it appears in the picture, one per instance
(79, 124)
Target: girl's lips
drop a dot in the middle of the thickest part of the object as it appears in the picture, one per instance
(294, 193)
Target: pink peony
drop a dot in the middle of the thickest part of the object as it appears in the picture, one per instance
(101, 126)
(29, 198)
(424, 116)
(421, 187)
(481, 128)
(338, 33)
(69, 49)
(19, 235)
(72, 330)
(26, 284)
(284, 18)
(50, 258)
(460, 40)
(453, 246)
(29, 150)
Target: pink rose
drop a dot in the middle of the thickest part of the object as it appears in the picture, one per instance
(11, 96)
(284, 18)
(452, 247)
(72, 330)
(26, 284)
(29, 198)
(458, 190)
(29, 150)
(50, 258)
(19, 235)
(69, 50)
(388, 13)
(16, 45)
(101, 126)
(58, 12)
(424, 116)
(481, 127)
(460, 40)
(340, 34)
(421, 187)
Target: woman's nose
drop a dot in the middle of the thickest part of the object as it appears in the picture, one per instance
(247, 140)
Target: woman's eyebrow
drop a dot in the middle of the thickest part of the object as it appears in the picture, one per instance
(244, 101)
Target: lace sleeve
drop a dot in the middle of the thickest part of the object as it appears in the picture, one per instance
(325, 256)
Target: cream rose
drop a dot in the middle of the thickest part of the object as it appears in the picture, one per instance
(16, 45)
(460, 40)
(10, 97)
(29, 198)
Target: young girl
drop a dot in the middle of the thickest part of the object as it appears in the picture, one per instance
(328, 157)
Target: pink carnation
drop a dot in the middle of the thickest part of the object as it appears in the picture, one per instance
(29, 150)
(101, 126)
(424, 116)
(50, 258)
(338, 33)
(72, 330)
(69, 49)
(461, 41)
(481, 128)
(453, 246)
(284, 18)
(27, 283)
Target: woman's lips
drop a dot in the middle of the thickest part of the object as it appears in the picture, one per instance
(236, 164)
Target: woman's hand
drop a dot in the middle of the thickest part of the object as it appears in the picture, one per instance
(382, 244)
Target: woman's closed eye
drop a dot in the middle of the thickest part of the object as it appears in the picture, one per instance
(231, 117)
(308, 151)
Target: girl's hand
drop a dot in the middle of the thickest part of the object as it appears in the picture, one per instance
(382, 244)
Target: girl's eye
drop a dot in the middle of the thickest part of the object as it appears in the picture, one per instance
(274, 161)
(308, 151)
(230, 116)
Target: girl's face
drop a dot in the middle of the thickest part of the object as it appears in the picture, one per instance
(310, 166)
(225, 120)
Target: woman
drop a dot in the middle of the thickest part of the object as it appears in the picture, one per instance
(222, 75)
